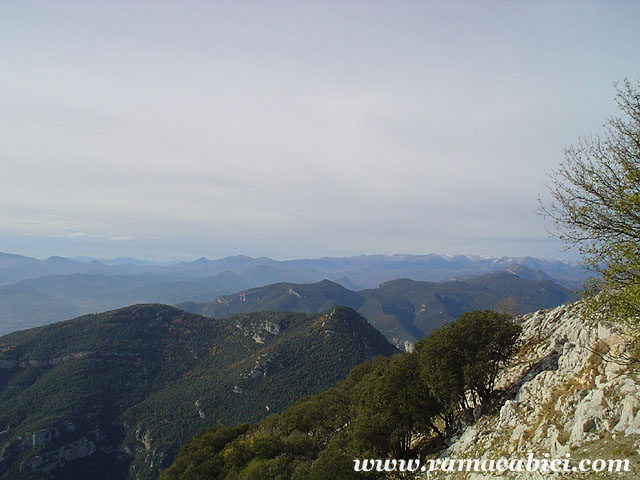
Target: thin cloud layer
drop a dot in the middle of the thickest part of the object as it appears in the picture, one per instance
(296, 128)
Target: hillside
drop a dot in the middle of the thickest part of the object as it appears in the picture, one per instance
(403, 310)
(280, 297)
(43, 300)
(22, 307)
(568, 391)
(113, 395)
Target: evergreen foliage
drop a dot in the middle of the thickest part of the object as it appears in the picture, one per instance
(376, 412)
(150, 377)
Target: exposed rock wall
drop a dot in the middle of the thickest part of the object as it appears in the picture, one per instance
(49, 449)
(568, 391)
(9, 363)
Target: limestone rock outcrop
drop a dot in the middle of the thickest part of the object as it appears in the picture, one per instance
(569, 391)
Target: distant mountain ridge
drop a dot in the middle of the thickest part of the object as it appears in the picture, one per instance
(58, 288)
(365, 270)
(403, 310)
(114, 395)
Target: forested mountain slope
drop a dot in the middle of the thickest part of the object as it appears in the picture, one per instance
(113, 395)
(403, 310)
(564, 388)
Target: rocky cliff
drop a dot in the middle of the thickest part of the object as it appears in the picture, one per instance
(570, 390)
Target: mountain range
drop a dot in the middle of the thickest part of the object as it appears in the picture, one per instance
(37, 292)
(365, 271)
(114, 395)
(403, 310)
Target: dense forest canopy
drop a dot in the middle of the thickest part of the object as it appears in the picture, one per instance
(377, 411)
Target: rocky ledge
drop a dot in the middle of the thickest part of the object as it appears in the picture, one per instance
(569, 390)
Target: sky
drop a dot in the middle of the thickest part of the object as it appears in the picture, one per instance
(296, 129)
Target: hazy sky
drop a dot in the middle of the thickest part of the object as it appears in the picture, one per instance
(296, 129)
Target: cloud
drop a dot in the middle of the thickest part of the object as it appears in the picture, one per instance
(298, 128)
(121, 238)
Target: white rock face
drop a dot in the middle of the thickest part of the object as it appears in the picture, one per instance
(57, 458)
(294, 292)
(199, 409)
(258, 330)
(566, 393)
